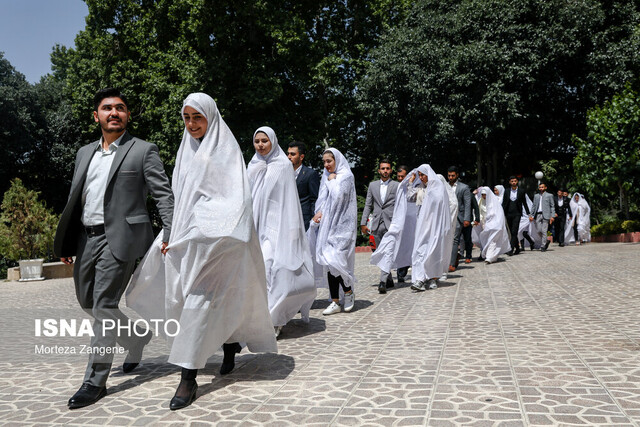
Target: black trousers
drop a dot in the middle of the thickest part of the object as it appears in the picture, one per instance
(513, 222)
(558, 226)
(334, 286)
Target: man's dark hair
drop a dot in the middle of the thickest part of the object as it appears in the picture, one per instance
(402, 168)
(384, 160)
(453, 169)
(512, 177)
(109, 92)
(302, 149)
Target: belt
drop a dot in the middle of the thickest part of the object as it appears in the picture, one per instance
(95, 230)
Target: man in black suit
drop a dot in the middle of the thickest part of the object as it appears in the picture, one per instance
(562, 207)
(512, 204)
(307, 181)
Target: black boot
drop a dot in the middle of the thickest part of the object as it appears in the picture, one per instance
(186, 392)
(229, 360)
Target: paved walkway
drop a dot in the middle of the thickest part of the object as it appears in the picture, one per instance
(538, 339)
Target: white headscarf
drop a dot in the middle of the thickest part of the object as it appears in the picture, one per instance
(494, 237)
(333, 240)
(581, 212)
(430, 254)
(212, 279)
(500, 192)
(278, 221)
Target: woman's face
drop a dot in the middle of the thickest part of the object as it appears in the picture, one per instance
(424, 178)
(262, 143)
(577, 198)
(195, 123)
(484, 196)
(329, 162)
(496, 191)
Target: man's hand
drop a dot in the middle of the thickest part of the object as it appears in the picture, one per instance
(466, 223)
(551, 220)
(364, 229)
(164, 248)
(475, 223)
(67, 260)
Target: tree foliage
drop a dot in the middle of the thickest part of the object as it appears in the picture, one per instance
(27, 227)
(502, 84)
(607, 162)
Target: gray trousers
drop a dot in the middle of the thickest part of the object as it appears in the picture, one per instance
(377, 236)
(100, 279)
(543, 226)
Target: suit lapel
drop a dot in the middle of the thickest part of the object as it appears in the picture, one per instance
(83, 166)
(123, 148)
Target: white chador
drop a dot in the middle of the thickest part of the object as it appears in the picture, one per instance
(212, 280)
(581, 213)
(430, 255)
(529, 226)
(494, 238)
(396, 247)
(333, 239)
(278, 220)
(453, 212)
(500, 194)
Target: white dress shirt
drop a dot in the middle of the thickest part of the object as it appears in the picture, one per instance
(560, 201)
(96, 184)
(297, 171)
(513, 196)
(384, 186)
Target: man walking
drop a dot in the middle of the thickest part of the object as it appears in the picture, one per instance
(512, 204)
(106, 225)
(307, 181)
(561, 204)
(381, 197)
(463, 223)
(543, 211)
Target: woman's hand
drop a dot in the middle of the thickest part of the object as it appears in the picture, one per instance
(164, 248)
(317, 217)
(412, 178)
(332, 176)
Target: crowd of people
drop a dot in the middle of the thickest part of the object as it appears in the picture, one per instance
(243, 252)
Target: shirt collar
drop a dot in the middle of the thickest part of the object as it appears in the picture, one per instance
(385, 182)
(112, 147)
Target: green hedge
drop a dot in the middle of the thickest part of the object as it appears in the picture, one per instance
(615, 227)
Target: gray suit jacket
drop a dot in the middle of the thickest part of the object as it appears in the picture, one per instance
(548, 205)
(136, 170)
(463, 193)
(382, 212)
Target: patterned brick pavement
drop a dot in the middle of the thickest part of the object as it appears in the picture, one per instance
(538, 339)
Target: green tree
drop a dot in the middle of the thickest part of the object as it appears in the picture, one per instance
(27, 227)
(496, 86)
(607, 162)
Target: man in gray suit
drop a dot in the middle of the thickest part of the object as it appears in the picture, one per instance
(463, 224)
(381, 198)
(106, 225)
(543, 212)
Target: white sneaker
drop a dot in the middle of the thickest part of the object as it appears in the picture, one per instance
(277, 330)
(433, 284)
(332, 309)
(349, 301)
(418, 286)
(443, 277)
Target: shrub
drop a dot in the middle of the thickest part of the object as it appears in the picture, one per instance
(611, 227)
(27, 227)
(631, 226)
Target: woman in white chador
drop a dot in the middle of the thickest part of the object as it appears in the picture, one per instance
(578, 227)
(396, 247)
(332, 234)
(430, 256)
(453, 212)
(498, 190)
(493, 236)
(278, 220)
(212, 279)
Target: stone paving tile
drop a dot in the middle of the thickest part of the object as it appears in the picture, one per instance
(538, 339)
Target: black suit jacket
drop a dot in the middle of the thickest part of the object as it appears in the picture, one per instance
(520, 201)
(562, 210)
(308, 183)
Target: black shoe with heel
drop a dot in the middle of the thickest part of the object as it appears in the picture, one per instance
(229, 360)
(180, 401)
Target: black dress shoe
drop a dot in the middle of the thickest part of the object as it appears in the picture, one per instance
(546, 245)
(390, 283)
(87, 395)
(179, 402)
(517, 251)
(382, 288)
(229, 360)
(561, 245)
(134, 356)
(510, 253)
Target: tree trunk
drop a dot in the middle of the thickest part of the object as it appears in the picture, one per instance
(624, 201)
